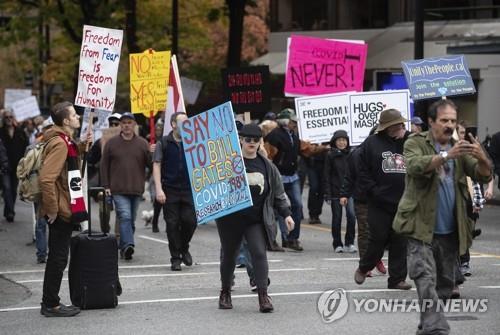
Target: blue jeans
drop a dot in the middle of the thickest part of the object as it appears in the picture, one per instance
(337, 222)
(126, 210)
(292, 190)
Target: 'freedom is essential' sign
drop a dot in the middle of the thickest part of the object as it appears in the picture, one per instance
(438, 77)
(319, 66)
(366, 107)
(248, 88)
(320, 116)
(215, 164)
(99, 60)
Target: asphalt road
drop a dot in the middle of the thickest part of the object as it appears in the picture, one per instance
(158, 301)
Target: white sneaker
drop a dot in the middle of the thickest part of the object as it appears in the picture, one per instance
(351, 249)
(339, 249)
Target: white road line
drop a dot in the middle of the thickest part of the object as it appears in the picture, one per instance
(184, 274)
(385, 258)
(153, 239)
(489, 286)
(145, 266)
(240, 296)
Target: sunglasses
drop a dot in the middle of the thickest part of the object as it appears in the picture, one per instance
(114, 124)
(251, 139)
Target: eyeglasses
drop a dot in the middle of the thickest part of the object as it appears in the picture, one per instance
(114, 124)
(251, 139)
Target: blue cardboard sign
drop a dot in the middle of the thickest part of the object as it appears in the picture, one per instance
(215, 164)
(438, 77)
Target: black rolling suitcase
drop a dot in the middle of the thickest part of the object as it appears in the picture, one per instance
(93, 268)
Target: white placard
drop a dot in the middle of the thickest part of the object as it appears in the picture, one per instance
(320, 116)
(12, 95)
(191, 89)
(366, 107)
(98, 127)
(99, 60)
(25, 108)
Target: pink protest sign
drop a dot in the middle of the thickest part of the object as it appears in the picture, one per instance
(319, 66)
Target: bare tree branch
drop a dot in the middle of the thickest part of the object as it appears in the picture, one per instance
(67, 25)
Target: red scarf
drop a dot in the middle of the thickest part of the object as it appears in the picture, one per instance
(78, 209)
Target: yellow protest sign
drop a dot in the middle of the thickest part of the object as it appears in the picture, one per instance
(149, 72)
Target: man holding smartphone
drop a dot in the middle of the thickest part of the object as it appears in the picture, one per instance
(432, 212)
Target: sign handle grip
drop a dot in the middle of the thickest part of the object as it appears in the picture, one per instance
(152, 137)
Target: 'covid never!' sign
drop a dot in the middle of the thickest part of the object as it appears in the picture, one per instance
(320, 66)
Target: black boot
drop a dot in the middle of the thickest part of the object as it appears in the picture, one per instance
(155, 227)
(225, 299)
(265, 305)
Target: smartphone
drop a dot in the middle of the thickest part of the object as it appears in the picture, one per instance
(472, 130)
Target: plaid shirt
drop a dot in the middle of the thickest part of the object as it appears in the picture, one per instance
(477, 197)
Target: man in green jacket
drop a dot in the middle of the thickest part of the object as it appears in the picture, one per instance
(432, 212)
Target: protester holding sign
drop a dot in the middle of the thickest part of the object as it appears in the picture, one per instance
(382, 178)
(173, 190)
(254, 223)
(15, 141)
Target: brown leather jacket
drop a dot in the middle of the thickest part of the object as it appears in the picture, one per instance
(54, 176)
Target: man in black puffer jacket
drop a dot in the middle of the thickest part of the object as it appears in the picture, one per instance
(382, 178)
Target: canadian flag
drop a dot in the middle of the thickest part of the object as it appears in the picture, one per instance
(175, 99)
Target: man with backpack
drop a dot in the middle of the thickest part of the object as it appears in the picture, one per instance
(62, 203)
(174, 191)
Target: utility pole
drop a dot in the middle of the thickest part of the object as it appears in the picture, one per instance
(420, 106)
(175, 27)
(419, 29)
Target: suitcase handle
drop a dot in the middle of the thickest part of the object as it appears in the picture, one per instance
(91, 191)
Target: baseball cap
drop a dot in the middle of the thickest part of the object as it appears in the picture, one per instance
(250, 130)
(416, 120)
(116, 116)
(287, 114)
(127, 115)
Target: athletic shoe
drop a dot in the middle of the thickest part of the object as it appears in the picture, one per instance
(465, 269)
(128, 252)
(381, 267)
(351, 248)
(339, 249)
